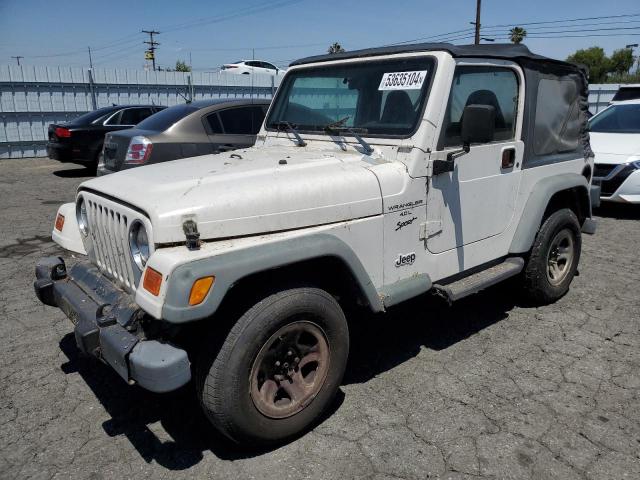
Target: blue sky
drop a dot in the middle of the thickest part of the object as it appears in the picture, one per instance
(58, 32)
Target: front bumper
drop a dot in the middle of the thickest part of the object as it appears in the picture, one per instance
(621, 185)
(106, 320)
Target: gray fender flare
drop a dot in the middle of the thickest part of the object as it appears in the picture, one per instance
(534, 209)
(231, 267)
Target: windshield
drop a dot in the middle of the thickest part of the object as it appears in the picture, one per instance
(617, 119)
(626, 93)
(382, 98)
(164, 119)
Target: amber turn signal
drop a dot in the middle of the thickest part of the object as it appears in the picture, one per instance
(152, 281)
(59, 222)
(200, 289)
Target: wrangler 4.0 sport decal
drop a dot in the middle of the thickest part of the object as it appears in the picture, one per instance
(403, 80)
(403, 223)
(403, 206)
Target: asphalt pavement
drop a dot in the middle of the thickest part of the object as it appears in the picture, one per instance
(488, 388)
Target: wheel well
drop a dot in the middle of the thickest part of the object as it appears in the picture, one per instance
(328, 273)
(576, 198)
(586, 173)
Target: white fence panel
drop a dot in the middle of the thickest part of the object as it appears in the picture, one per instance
(33, 97)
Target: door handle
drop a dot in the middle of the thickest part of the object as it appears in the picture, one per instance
(508, 157)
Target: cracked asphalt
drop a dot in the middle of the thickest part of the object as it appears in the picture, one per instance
(488, 388)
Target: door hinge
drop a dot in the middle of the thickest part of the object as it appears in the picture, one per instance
(430, 228)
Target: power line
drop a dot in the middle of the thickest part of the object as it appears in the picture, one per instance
(243, 12)
(17, 57)
(567, 20)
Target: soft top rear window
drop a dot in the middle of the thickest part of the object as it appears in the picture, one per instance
(164, 119)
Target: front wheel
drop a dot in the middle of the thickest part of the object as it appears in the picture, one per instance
(553, 261)
(278, 368)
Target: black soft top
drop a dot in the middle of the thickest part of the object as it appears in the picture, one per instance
(556, 99)
(505, 51)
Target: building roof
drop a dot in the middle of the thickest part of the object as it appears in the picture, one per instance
(507, 51)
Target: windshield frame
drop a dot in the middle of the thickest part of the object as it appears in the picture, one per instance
(609, 108)
(286, 83)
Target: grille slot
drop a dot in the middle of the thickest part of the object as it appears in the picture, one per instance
(602, 169)
(109, 231)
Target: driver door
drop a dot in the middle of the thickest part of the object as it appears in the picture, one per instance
(476, 201)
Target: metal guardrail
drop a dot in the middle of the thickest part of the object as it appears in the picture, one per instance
(31, 97)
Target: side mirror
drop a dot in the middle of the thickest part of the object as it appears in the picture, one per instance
(478, 124)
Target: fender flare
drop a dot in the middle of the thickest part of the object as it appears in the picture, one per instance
(536, 205)
(231, 267)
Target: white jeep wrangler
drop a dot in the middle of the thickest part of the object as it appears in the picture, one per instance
(378, 175)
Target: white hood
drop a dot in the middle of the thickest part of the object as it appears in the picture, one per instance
(614, 148)
(229, 196)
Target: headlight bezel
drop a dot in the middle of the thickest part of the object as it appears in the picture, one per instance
(81, 216)
(139, 246)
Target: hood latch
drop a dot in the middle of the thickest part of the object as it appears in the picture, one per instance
(190, 229)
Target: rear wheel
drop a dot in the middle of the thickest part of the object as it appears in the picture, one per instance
(278, 368)
(554, 257)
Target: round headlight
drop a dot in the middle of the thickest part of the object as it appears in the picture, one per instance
(139, 244)
(81, 216)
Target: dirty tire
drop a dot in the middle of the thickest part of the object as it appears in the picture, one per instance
(228, 368)
(561, 229)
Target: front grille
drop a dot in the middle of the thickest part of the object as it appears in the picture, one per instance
(109, 231)
(602, 169)
(609, 187)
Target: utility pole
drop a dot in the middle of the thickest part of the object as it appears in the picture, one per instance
(18, 57)
(90, 59)
(477, 22)
(152, 46)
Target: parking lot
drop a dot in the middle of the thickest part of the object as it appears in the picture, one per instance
(489, 388)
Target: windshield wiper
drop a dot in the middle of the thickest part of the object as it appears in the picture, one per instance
(290, 127)
(354, 132)
(338, 123)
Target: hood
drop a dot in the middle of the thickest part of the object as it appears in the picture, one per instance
(614, 148)
(247, 192)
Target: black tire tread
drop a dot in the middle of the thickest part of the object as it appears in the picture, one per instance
(535, 285)
(210, 369)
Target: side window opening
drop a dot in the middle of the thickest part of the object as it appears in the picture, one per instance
(133, 116)
(242, 120)
(493, 86)
(115, 119)
(215, 126)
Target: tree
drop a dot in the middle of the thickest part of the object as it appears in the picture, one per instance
(621, 61)
(181, 66)
(595, 60)
(517, 34)
(335, 48)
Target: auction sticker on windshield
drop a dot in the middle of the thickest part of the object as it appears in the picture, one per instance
(403, 80)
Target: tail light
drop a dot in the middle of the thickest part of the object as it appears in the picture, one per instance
(62, 132)
(139, 150)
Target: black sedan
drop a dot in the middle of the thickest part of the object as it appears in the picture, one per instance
(81, 139)
(189, 130)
